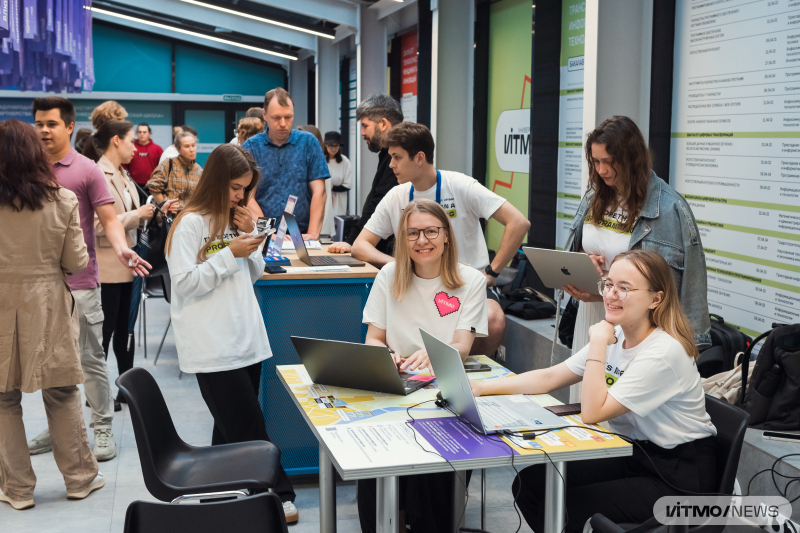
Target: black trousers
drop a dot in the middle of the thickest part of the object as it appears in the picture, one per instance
(624, 489)
(116, 300)
(232, 398)
(427, 500)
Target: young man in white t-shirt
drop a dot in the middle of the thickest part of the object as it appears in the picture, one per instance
(466, 202)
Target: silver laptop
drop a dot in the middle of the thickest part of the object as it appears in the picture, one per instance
(302, 253)
(355, 366)
(487, 414)
(558, 268)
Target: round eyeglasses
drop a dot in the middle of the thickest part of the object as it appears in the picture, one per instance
(431, 232)
(621, 291)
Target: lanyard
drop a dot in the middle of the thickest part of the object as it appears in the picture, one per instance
(438, 189)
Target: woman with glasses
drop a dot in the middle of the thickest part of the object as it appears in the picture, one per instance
(639, 374)
(628, 207)
(425, 287)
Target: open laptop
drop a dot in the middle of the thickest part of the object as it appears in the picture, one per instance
(558, 269)
(355, 366)
(302, 253)
(488, 414)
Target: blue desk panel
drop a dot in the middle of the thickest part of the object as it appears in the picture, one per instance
(323, 308)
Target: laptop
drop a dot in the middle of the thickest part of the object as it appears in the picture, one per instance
(302, 253)
(558, 268)
(487, 414)
(355, 366)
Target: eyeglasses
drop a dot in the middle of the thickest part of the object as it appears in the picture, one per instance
(621, 291)
(430, 232)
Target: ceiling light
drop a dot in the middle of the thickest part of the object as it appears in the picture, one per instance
(260, 18)
(189, 32)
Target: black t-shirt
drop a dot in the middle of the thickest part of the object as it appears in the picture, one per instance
(383, 182)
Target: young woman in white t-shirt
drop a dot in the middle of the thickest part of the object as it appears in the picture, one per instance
(639, 374)
(425, 287)
(214, 259)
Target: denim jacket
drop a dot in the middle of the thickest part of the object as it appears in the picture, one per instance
(666, 225)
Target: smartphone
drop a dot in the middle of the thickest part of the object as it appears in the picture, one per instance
(782, 435)
(564, 410)
(476, 367)
(274, 269)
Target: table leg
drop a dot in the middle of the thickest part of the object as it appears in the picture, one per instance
(388, 498)
(554, 497)
(327, 493)
(459, 499)
(483, 499)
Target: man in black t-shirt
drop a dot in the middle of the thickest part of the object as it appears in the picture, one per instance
(377, 115)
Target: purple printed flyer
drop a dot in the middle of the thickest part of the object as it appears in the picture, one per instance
(455, 440)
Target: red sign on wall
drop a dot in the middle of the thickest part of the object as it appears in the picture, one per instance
(408, 62)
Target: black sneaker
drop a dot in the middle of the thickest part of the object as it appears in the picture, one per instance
(117, 406)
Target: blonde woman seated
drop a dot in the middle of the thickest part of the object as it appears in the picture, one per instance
(425, 287)
(639, 374)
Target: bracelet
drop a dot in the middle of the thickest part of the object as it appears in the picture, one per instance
(598, 360)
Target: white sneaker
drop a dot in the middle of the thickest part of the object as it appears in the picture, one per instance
(97, 483)
(41, 443)
(291, 513)
(19, 505)
(105, 448)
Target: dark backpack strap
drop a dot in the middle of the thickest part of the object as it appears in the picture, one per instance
(745, 361)
(169, 172)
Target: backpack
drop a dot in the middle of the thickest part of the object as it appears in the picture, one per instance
(773, 396)
(730, 341)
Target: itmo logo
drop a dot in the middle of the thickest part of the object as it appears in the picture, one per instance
(723, 510)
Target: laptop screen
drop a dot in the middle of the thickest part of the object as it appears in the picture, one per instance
(297, 238)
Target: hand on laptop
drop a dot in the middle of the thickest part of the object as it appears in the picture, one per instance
(416, 361)
(339, 248)
(578, 294)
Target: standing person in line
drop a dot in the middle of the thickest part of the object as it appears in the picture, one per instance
(466, 202)
(291, 163)
(112, 147)
(377, 115)
(327, 219)
(108, 110)
(248, 127)
(171, 151)
(342, 173)
(177, 178)
(146, 156)
(409, 294)
(628, 207)
(214, 259)
(54, 120)
(253, 112)
(38, 328)
(639, 374)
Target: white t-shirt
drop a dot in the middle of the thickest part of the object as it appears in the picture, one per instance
(215, 316)
(466, 202)
(341, 174)
(428, 304)
(660, 385)
(608, 239)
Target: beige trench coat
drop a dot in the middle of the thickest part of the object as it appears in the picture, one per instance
(38, 319)
(109, 265)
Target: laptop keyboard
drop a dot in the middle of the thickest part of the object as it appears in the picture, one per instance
(495, 415)
(322, 260)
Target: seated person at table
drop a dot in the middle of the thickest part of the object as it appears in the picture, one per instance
(425, 287)
(639, 374)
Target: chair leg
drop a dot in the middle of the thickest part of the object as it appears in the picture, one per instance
(162, 342)
(483, 499)
(141, 302)
(180, 374)
(144, 325)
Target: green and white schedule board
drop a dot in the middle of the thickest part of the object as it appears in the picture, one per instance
(735, 152)
(570, 117)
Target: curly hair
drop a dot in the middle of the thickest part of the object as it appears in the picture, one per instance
(106, 111)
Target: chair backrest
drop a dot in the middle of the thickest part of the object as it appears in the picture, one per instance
(166, 283)
(156, 437)
(731, 424)
(262, 513)
(153, 286)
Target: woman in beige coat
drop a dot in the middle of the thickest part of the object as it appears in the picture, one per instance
(41, 241)
(111, 147)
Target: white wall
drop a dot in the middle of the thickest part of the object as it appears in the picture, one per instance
(298, 87)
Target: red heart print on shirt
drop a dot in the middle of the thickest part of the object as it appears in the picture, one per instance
(446, 304)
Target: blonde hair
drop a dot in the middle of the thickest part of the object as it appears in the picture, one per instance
(109, 110)
(668, 315)
(404, 269)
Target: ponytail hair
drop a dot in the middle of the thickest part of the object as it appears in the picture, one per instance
(97, 144)
(669, 314)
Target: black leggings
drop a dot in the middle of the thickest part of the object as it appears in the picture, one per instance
(624, 489)
(232, 398)
(116, 300)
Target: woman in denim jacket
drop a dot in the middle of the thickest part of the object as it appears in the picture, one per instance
(628, 207)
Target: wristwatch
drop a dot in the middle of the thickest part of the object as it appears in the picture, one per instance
(491, 272)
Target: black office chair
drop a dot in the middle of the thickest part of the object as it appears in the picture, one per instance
(731, 424)
(153, 286)
(256, 514)
(172, 468)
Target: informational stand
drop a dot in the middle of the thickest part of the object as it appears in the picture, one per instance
(735, 152)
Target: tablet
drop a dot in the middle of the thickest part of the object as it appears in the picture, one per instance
(558, 268)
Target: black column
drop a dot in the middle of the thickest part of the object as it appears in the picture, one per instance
(661, 66)
(424, 45)
(480, 106)
(344, 81)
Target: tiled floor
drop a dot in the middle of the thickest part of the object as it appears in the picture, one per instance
(104, 510)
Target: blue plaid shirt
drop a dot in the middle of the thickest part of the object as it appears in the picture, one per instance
(287, 169)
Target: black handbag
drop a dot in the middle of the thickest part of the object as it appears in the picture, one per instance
(154, 236)
(566, 326)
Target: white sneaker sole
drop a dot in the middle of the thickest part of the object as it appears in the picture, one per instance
(102, 458)
(95, 485)
(18, 505)
(39, 451)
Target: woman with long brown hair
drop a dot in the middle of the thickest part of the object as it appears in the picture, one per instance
(424, 287)
(214, 258)
(639, 374)
(628, 207)
(42, 241)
